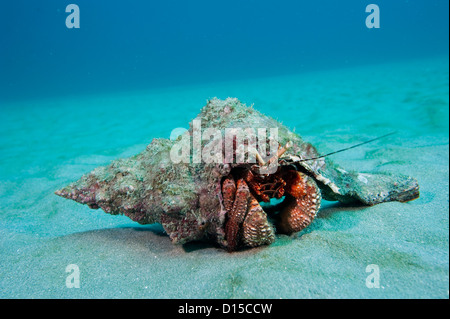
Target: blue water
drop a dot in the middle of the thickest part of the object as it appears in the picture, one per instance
(75, 99)
(141, 44)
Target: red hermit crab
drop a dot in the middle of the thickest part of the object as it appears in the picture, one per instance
(246, 220)
(210, 195)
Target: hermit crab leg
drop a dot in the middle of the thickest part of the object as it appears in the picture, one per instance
(237, 214)
(228, 193)
(256, 230)
(247, 222)
(301, 204)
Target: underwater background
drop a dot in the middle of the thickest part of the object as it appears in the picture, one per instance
(72, 99)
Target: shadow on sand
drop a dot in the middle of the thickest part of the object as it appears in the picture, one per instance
(153, 238)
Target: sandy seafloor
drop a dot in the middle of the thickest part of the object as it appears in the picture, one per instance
(46, 144)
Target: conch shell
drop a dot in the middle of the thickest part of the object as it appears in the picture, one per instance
(185, 196)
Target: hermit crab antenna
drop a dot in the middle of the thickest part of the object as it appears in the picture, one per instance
(347, 148)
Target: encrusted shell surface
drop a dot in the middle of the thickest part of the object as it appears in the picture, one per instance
(186, 197)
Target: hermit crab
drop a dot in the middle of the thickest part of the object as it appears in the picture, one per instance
(245, 188)
(210, 182)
